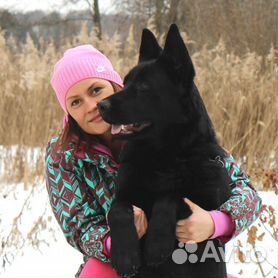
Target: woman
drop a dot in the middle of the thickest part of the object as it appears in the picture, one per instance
(82, 164)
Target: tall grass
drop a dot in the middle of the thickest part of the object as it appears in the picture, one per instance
(240, 94)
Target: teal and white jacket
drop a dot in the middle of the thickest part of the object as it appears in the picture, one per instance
(81, 187)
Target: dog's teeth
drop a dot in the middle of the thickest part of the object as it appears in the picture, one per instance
(125, 127)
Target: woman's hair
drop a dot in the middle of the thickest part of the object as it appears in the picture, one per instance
(75, 136)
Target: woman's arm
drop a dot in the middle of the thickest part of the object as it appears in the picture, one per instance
(81, 218)
(233, 217)
(244, 206)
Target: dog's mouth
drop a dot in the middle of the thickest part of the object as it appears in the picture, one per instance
(129, 129)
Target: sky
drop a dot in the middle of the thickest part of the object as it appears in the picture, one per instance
(50, 5)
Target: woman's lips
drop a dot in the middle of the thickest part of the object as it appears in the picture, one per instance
(97, 118)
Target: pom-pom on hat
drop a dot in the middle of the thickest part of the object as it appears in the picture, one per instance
(77, 64)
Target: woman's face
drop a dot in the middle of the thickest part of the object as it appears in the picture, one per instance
(81, 103)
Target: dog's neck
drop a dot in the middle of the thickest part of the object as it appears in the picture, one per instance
(175, 142)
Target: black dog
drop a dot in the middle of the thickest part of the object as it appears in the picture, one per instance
(171, 153)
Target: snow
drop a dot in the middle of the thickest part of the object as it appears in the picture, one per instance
(57, 259)
(53, 259)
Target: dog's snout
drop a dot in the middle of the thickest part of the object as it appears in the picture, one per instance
(104, 105)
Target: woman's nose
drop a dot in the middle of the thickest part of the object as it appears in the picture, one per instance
(91, 105)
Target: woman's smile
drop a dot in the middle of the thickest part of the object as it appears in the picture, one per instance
(96, 119)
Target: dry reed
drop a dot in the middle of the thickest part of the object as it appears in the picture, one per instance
(239, 92)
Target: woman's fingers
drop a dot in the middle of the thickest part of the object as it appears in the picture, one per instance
(199, 226)
(140, 221)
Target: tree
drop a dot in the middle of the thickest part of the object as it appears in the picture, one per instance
(7, 21)
(93, 6)
(164, 11)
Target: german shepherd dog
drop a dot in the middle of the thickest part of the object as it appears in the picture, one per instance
(171, 152)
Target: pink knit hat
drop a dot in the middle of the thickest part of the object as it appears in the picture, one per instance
(79, 63)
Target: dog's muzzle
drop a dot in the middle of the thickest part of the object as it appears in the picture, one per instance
(128, 129)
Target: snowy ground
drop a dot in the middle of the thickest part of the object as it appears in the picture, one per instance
(59, 260)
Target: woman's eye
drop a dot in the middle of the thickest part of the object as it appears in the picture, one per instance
(76, 102)
(96, 90)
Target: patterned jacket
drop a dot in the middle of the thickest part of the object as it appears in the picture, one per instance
(81, 188)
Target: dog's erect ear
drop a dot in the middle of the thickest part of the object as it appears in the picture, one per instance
(176, 53)
(149, 48)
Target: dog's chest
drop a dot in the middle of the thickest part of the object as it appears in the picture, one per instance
(143, 178)
(159, 172)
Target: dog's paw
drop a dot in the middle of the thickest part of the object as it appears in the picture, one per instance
(158, 249)
(126, 263)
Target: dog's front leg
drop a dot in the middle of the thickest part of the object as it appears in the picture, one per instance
(125, 250)
(161, 236)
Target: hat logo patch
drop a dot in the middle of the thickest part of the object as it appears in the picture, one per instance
(100, 68)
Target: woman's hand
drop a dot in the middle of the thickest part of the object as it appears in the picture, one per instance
(196, 228)
(140, 221)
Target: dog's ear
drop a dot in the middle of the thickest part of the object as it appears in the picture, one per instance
(176, 54)
(149, 48)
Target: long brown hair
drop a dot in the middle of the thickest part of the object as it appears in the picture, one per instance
(73, 135)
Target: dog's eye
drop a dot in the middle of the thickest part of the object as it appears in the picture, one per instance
(144, 87)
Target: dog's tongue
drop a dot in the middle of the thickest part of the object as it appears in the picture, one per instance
(116, 129)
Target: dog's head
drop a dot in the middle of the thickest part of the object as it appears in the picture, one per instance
(159, 95)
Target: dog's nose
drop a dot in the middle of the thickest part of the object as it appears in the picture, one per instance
(104, 105)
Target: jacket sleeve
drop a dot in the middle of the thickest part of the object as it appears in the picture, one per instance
(81, 219)
(244, 205)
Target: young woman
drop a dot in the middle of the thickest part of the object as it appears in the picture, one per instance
(82, 164)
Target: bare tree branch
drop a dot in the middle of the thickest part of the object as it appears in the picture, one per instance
(93, 7)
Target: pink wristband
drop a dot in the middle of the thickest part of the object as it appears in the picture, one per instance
(223, 225)
(107, 245)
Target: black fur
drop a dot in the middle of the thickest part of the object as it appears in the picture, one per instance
(173, 158)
